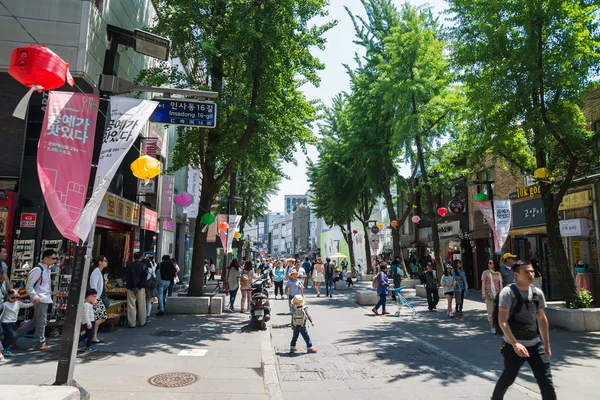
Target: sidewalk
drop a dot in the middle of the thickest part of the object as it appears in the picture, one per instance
(362, 355)
(230, 369)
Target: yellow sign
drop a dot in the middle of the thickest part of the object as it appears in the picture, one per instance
(528, 191)
(120, 208)
(576, 251)
(575, 200)
(110, 207)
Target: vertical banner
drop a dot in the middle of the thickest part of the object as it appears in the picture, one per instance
(127, 118)
(166, 196)
(227, 237)
(193, 188)
(502, 219)
(486, 210)
(64, 157)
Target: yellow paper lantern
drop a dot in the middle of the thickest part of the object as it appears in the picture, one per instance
(541, 173)
(237, 235)
(145, 167)
(380, 225)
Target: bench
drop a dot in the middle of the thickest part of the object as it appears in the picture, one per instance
(188, 305)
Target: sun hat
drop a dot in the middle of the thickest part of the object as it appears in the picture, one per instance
(508, 255)
(298, 300)
(296, 273)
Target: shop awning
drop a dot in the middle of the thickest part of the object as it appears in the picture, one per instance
(532, 230)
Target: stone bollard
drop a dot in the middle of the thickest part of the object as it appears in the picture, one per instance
(216, 305)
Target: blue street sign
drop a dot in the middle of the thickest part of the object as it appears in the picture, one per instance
(185, 112)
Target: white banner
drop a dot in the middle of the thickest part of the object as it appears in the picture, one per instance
(502, 219)
(193, 187)
(127, 118)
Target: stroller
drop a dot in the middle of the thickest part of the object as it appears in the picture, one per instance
(402, 302)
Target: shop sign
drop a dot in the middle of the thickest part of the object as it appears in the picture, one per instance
(528, 213)
(149, 220)
(146, 187)
(118, 209)
(525, 191)
(166, 197)
(457, 206)
(193, 187)
(574, 227)
(449, 229)
(28, 220)
(575, 200)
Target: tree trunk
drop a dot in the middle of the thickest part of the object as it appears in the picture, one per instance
(240, 241)
(197, 273)
(367, 249)
(389, 204)
(430, 206)
(347, 232)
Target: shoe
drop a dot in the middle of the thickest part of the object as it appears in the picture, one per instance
(241, 311)
(90, 349)
(493, 331)
(385, 313)
(7, 352)
(160, 313)
(97, 341)
(451, 314)
(14, 345)
(374, 311)
(330, 295)
(318, 294)
(311, 351)
(293, 350)
(1, 357)
(43, 347)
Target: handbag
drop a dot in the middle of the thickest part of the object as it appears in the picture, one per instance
(105, 301)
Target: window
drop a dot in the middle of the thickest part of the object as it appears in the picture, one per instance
(488, 175)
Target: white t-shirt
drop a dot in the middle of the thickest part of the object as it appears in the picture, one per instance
(97, 281)
(11, 311)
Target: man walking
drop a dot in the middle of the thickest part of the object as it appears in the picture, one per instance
(329, 271)
(522, 319)
(135, 275)
(39, 290)
(506, 270)
(307, 268)
(4, 271)
(431, 287)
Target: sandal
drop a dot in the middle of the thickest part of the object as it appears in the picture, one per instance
(97, 341)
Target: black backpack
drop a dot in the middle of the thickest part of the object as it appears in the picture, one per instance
(516, 309)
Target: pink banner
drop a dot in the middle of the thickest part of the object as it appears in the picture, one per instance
(488, 214)
(64, 156)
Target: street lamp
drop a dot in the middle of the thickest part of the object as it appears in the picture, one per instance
(151, 45)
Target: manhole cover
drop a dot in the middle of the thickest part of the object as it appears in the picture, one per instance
(167, 333)
(173, 379)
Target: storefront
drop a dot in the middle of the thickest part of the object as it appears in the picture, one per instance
(148, 231)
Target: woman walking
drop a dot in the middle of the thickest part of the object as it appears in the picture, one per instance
(448, 285)
(246, 285)
(165, 275)
(213, 270)
(97, 283)
(278, 273)
(383, 283)
(491, 284)
(461, 287)
(319, 275)
(233, 281)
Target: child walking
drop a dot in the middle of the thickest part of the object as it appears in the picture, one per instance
(293, 287)
(88, 319)
(299, 317)
(9, 315)
(449, 284)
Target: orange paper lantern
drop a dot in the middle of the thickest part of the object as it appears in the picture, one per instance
(223, 226)
(394, 223)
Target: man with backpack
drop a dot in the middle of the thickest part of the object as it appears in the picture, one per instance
(39, 289)
(522, 319)
(135, 281)
(329, 272)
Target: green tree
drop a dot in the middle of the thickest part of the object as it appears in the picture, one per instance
(256, 55)
(526, 65)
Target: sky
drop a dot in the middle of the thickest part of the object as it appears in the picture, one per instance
(340, 50)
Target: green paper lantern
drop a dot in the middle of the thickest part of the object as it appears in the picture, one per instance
(481, 197)
(207, 219)
(242, 235)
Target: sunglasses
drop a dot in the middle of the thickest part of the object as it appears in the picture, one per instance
(14, 298)
(55, 258)
(490, 262)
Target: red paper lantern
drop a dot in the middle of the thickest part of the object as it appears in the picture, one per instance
(442, 211)
(394, 224)
(223, 226)
(37, 65)
(416, 219)
(355, 231)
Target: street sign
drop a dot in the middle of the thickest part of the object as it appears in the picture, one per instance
(202, 114)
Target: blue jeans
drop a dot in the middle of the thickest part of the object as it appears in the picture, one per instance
(232, 294)
(328, 286)
(171, 288)
(162, 290)
(300, 330)
(382, 299)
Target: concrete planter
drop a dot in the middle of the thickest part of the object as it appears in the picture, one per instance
(188, 305)
(576, 320)
(366, 297)
(422, 293)
(410, 283)
(340, 285)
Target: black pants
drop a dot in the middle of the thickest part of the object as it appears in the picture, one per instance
(212, 276)
(433, 298)
(460, 299)
(328, 286)
(88, 335)
(539, 363)
(349, 281)
(279, 286)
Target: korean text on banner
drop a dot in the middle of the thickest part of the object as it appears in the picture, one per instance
(227, 237)
(486, 210)
(64, 156)
(127, 118)
(193, 188)
(502, 219)
(166, 199)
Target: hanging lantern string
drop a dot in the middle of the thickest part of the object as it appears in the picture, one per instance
(77, 87)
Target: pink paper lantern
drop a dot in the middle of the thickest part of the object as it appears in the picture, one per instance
(184, 199)
(416, 219)
(169, 224)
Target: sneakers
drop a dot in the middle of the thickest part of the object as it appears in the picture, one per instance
(293, 350)
(1, 357)
(241, 311)
(385, 313)
(160, 313)
(311, 351)
(451, 314)
(493, 331)
(374, 311)
(7, 352)
(90, 349)
(43, 347)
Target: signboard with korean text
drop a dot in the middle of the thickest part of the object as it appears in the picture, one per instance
(166, 196)
(28, 220)
(146, 187)
(64, 156)
(502, 211)
(449, 229)
(127, 118)
(456, 206)
(109, 209)
(194, 185)
(576, 200)
(149, 220)
(574, 227)
(185, 112)
(528, 213)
